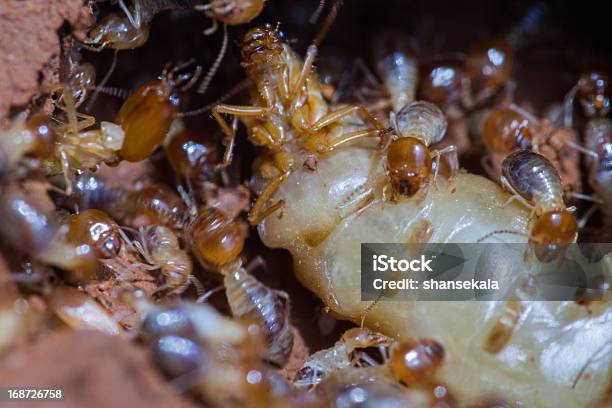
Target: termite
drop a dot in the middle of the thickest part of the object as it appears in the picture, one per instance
(598, 145)
(77, 148)
(510, 128)
(591, 90)
(31, 230)
(146, 116)
(409, 159)
(31, 135)
(268, 308)
(593, 94)
(533, 180)
(470, 80)
(345, 353)
(161, 249)
(288, 117)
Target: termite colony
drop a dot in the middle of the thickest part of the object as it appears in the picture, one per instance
(132, 205)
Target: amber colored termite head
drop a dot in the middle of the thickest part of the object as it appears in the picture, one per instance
(489, 64)
(415, 361)
(234, 12)
(443, 82)
(554, 227)
(192, 155)
(96, 229)
(593, 94)
(506, 130)
(117, 32)
(408, 165)
(261, 45)
(39, 125)
(146, 117)
(215, 239)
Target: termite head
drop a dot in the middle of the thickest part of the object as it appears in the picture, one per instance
(234, 12)
(414, 361)
(215, 239)
(506, 130)
(443, 82)
(262, 45)
(593, 94)
(117, 32)
(44, 135)
(489, 64)
(408, 165)
(554, 227)
(97, 229)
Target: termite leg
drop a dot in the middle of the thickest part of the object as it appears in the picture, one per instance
(345, 111)
(256, 213)
(349, 137)
(451, 151)
(568, 106)
(515, 196)
(582, 149)
(212, 29)
(306, 69)
(66, 170)
(257, 262)
(230, 133)
(135, 19)
(530, 117)
(262, 215)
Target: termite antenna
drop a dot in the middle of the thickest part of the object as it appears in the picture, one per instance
(215, 66)
(368, 309)
(329, 20)
(568, 106)
(528, 24)
(120, 93)
(94, 96)
(317, 13)
(205, 296)
(498, 232)
(241, 86)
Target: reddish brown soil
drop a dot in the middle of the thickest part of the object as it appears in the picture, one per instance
(92, 369)
(30, 46)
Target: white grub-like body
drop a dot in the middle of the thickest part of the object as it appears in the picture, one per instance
(329, 212)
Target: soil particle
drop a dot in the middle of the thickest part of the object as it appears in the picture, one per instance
(30, 46)
(104, 371)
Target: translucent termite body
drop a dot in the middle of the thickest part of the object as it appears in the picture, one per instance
(32, 136)
(598, 140)
(79, 149)
(397, 68)
(341, 356)
(409, 160)
(162, 250)
(592, 92)
(130, 29)
(158, 203)
(534, 179)
(34, 232)
(268, 308)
